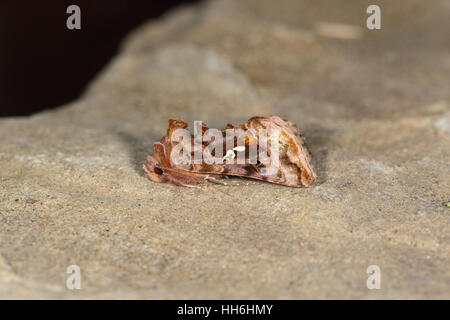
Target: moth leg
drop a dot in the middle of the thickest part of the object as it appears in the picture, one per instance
(244, 183)
(214, 180)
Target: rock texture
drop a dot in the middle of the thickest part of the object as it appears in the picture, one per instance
(374, 106)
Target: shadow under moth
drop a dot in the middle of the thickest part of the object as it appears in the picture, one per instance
(264, 148)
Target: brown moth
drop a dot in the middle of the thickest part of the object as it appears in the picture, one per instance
(291, 167)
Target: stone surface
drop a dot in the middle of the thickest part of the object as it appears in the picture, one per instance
(374, 106)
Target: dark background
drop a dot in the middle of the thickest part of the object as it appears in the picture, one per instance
(43, 64)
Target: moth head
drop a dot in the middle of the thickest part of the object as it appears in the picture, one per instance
(153, 170)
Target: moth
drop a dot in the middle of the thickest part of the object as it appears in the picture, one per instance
(269, 148)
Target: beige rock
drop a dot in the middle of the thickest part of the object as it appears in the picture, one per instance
(72, 190)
